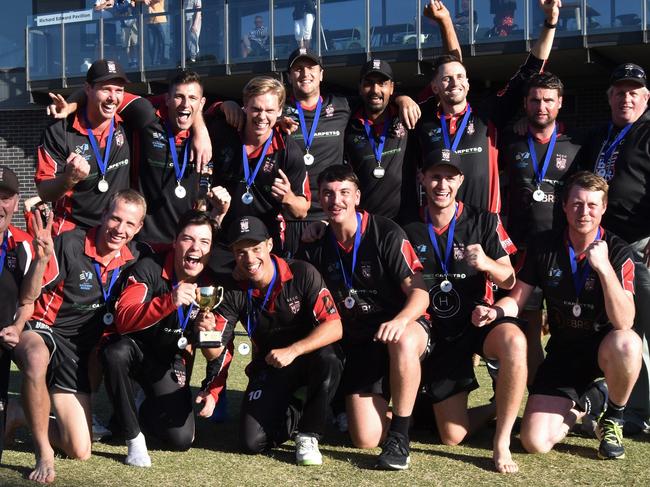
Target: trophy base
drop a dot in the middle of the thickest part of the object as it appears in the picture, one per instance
(208, 339)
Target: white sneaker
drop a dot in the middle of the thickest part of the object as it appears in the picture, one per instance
(99, 430)
(307, 452)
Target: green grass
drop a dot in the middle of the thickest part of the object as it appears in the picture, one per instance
(214, 459)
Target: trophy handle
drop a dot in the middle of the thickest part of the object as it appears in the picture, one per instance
(219, 297)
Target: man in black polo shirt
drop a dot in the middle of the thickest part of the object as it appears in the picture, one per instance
(69, 318)
(84, 158)
(154, 316)
(470, 132)
(374, 275)
(619, 152)
(537, 166)
(375, 144)
(290, 316)
(462, 248)
(587, 276)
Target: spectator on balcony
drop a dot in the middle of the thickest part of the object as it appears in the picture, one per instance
(125, 11)
(304, 14)
(256, 43)
(193, 28)
(157, 27)
(504, 18)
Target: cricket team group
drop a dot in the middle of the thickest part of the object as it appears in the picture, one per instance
(370, 247)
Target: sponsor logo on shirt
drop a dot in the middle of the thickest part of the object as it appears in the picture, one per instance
(554, 277)
(328, 133)
(86, 280)
(470, 150)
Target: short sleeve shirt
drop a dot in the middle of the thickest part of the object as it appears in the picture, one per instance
(17, 260)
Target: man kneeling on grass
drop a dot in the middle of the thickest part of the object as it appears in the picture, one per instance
(291, 318)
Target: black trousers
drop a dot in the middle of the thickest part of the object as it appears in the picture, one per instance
(272, 412)
(166, 412)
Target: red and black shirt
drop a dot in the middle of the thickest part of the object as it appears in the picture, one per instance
(17, 260)
(385, 258)
(547, 266)
(451, 311)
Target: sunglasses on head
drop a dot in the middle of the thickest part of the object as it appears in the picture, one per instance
(628, 72)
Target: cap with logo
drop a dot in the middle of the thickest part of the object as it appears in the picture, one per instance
(247, 228)
(628, 72)
(104, 70)
(304, 53)
(439, 157)
(377, 66)
(9, 180)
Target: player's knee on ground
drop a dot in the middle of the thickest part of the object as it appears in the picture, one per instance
(535, 441)
(364, 440)
(180, 439)
(252, 437)
(451, 434)
(79, 451)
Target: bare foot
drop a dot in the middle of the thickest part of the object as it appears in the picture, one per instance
(503, 461)
(44, 470)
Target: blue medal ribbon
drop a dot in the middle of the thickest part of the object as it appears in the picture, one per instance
(178, 170)
(102, 163)
(250, 178)
(252, 321)
(604, 156)
(347, 279)
(3, 250)
(579, 277)
(182, 317)
(106, 292)
(541, 172)
(378, 149)
(450, 241)
(309, 138)
(459, 132)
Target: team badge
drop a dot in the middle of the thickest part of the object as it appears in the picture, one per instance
(110, 65)
(366, 271)
(329, 110)
(470, 128)
(243, 225)
(560, 161)
(398, 129)
(11, 258)
(119, 138)
(459, 251)
(590, 283)
(294, 305)
(268, 165)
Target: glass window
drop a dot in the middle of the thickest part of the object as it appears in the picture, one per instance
(498, 20)
(343, 26)
(286, 38)
(392, 24)
(208, 47)
(614, 16)
(249, 29)
(12, 35)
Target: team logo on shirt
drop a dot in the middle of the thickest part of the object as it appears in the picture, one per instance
(86, 280)
(470, 128)
(560, 161)
(11, 261)
(227, 154)
(590, 283)
(435, 134)
(554, 277)
(459, 251)
(329, 110)
(119, 138)
(294, 304)
(398, 129)
(268, 164)
(522, 159)
(366, 271)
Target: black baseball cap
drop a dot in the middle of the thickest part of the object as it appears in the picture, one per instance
(439, 157)
(9, 180)
(628, 72)
(104, 70)
(303, 52)
(376, 66)
(247, 228)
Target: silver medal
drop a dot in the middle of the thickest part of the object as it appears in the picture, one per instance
(102, 185)
(538, 195)
(182, 343)
(446, 286)
(349, 302)
(179, 191)
(244, 349)
(308, 158)
(108, 318)
(577, 310)
(247, 198)
(378, 172)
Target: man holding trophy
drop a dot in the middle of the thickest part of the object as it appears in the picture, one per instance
(163, 313)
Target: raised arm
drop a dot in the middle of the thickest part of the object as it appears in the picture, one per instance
(436, 11)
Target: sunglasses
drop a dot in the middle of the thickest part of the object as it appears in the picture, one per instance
(628, 72)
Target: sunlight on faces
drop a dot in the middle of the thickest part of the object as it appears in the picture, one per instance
(542, 106)
(184, 101)
(627, 101)
(103, 99)
(8, 206)
(441, 183)
(262, 111)
(376, 90)
(119, 225)
(305, 77)
(451, 83)
(339, 200)
(253, 259)
(192, 251)
(584, 209)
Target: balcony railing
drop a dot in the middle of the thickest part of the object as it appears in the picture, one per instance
(235, 34)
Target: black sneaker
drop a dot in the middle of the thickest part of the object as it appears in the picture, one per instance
(610, 434)
(594, 402)
(394, 453)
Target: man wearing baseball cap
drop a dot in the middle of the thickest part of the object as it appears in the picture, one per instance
(290, 316)
(461, 247)
(84, 158)
(619, 152)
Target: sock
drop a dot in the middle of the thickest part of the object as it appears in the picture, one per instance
(614, 410)
(400, 424)
(137, 455)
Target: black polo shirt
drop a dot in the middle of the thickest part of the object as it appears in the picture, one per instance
(451, 312)
(525, 216)
(17, 260)
(385, 258)
(547, 266)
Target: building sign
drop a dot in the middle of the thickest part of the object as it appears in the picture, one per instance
(63, 17)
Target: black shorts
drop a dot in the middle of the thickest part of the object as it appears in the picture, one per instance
(68, 366)
(367, 366)
(449, 370)
(569, 368)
